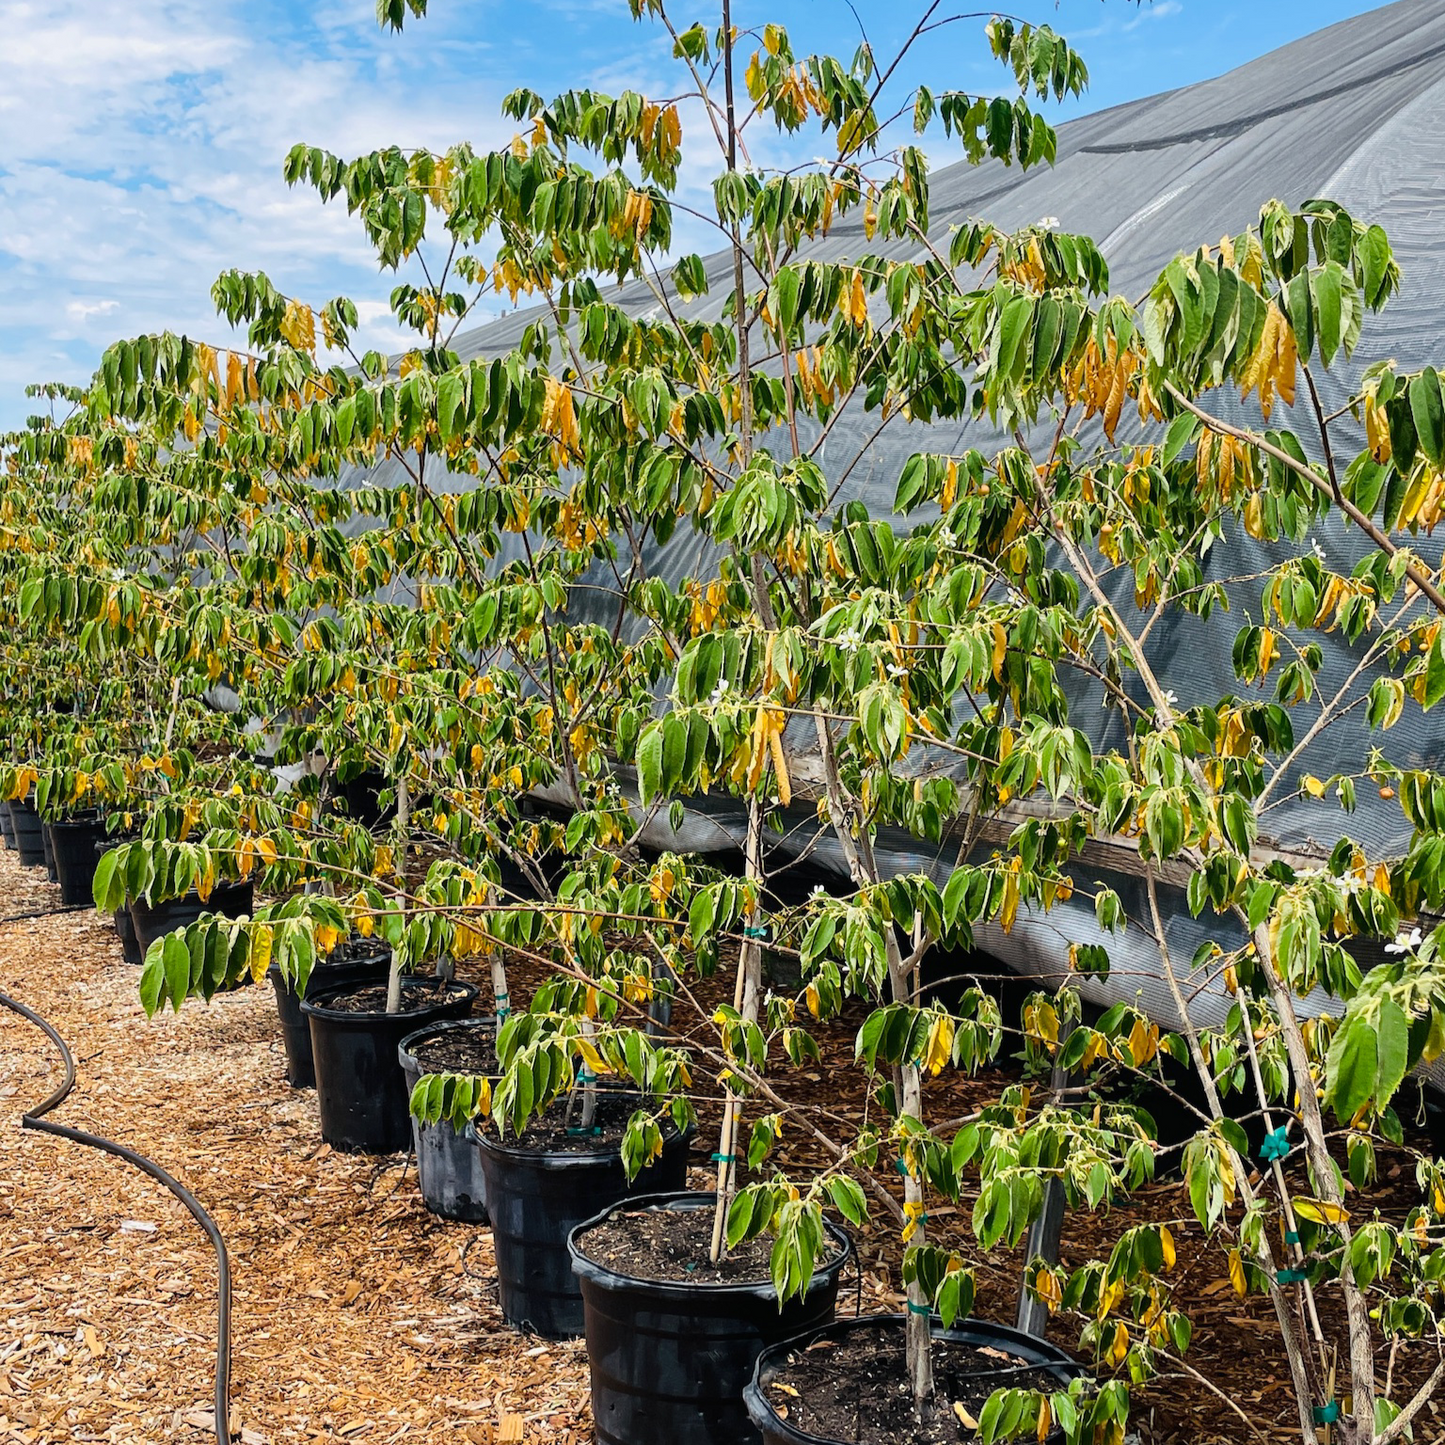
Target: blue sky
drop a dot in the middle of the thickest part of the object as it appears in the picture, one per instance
(141, 140)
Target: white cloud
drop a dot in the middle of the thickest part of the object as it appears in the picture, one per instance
(141, 144)
(82, 311)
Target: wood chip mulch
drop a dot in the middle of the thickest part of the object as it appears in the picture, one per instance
(357, 1315)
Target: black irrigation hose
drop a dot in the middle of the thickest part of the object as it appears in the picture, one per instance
(35, 1119)
(48, 912)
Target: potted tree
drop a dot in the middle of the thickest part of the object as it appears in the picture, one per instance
(925, 671)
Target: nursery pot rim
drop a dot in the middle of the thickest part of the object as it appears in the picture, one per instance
(221, 885)
(361, 960)
(764, 1416)
(558, 1160)
(606, 1277)
(475, 1023)
(317, 1006)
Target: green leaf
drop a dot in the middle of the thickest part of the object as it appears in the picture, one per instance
(153, 978)
(177, 963)
(1351, 1067)
(1392, 1051)
(103, 885)
(740, 1217)
(1434, 675)
(1428, 413)
(649, 764)
(849, 1200)
(1327, 286)
(450, 395)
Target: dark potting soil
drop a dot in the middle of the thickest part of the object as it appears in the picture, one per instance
(550, 1133)
(459, 1051)
(415, 994)
(673, 1245)
(855, 1389)
(357, 950)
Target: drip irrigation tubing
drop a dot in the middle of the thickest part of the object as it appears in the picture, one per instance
(35, 1119)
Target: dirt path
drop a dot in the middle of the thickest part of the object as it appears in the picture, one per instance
(356, 1315)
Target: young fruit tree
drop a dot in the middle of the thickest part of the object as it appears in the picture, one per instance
(479, 577)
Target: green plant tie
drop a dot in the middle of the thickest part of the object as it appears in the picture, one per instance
(1291, 1276)
(586, 1076)
(1327, 1414)
(725, 1158)
(901, 1167)
(749, 931)
(595, 1129)
(914, 1309)
(1276, 1145)
(503, 1008)
(1291, 1236)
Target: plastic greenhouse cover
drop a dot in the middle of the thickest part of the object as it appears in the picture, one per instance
(1355, 113)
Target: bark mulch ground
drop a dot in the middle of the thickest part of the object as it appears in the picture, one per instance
(358, 1316)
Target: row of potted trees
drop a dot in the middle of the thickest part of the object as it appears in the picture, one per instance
(376, 668)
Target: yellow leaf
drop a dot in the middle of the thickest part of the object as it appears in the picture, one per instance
(1267, 651)
(298, 326)
(913, 1212)
(1000, 647)
(940, 1044)
(1046, 1419)
(1120, 1345)
(1312, 786)
(261, 940)
(1237, 1276)
(1048, 1289)
(590, 1056)
(1166, 1243)
(964, 1418)
(1321, 1211)
(780, 767)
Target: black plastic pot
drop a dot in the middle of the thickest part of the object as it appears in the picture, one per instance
(536, 1199)
(47, 850)
(776, 1431)
(155, 920)
(7, 833)
(669, 1360)
(29, 835)
(125, 931)
(353, 971)
(73, 842)
(448, 1165)
(360, 1088)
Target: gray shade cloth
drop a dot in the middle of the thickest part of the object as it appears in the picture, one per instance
(1355, 113)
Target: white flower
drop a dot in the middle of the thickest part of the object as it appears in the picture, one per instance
(894, 670)
(720, 689)
(1405, 942)
(1317, 549)
(1048, 223)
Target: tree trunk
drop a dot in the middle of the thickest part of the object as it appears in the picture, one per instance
(403, 827)
(746, 993)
